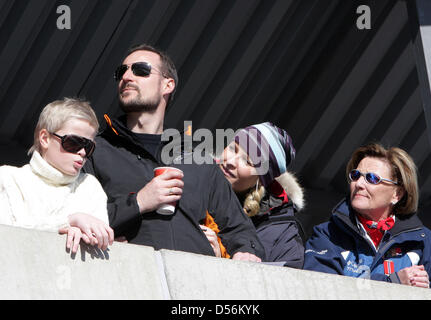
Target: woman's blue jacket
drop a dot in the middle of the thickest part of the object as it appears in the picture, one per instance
(341, 246)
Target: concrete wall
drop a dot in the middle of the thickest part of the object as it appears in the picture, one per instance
(35, 265)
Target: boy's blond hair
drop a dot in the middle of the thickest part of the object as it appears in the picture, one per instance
(56, 113)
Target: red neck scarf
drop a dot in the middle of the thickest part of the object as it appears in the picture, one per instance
(277, 191)
(376, 230)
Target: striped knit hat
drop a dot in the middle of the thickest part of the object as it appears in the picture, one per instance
(269, 148)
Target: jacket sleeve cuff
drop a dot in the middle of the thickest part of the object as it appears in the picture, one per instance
(123, 211)
(252, 248)
(132, 200)
(393, 277)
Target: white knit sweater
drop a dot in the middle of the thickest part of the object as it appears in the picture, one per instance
(41, 197)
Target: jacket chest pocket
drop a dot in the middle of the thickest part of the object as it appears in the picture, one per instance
(410, 252)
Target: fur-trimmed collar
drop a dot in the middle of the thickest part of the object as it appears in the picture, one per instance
(294, 190)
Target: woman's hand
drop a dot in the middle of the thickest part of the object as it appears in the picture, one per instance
(414, 276)
(93, 231)
(246, 256)
(212, 238)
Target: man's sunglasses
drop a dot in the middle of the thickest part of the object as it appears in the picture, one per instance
(370, 177)
(140, 69)
(73, 143)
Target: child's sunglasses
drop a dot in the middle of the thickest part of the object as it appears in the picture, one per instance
(370, 177)
(73, 143)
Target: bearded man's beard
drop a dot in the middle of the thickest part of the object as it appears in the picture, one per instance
(138, 104)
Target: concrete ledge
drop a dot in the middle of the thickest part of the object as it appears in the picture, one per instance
(191, 276)
(35, 265)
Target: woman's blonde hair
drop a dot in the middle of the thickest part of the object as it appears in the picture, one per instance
(252, 200)
(404, 171)
(57, 113)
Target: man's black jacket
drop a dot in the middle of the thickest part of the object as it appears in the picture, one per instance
(123, 167)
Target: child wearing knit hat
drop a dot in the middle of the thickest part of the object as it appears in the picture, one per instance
(256, 164)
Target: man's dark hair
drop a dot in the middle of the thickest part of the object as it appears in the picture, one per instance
(168, 68)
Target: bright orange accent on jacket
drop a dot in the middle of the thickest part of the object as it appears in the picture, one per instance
(108, 121)
(210, 223)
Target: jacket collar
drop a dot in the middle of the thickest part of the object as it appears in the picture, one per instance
(117, 131)
(403, 223)
(119, 134)
(293, 189)
(48, 173)
(270, 204)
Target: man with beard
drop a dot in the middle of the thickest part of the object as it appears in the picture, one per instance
(130, 148)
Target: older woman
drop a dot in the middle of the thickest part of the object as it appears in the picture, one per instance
(375, 233)
(255, 164)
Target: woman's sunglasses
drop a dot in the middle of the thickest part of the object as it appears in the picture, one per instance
(72, 143)
(370, 177)
(140, 69)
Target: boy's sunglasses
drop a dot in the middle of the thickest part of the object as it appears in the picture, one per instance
(140, 69)
(370, 177)
(73, 143)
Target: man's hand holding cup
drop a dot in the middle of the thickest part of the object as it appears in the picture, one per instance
(162, 192)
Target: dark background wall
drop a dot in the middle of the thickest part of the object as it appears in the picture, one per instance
(302, 64)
